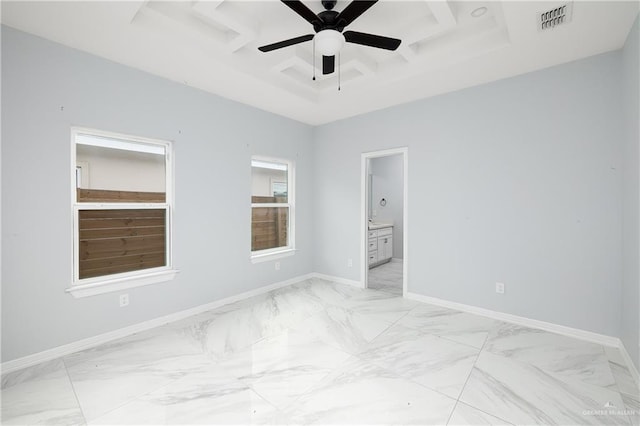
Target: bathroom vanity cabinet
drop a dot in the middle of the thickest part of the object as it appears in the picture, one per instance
(380, 245)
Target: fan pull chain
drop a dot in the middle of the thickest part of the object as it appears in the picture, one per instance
(339, 62)
(314, 59)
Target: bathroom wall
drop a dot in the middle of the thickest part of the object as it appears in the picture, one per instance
(517, 181)
(48, 88)
(631, 196)
(491, 196)
(388, 184)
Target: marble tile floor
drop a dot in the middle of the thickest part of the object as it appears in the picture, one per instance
(319, 352)
(386, 277)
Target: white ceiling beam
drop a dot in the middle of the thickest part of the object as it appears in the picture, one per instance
(442, 12)
(245, 27)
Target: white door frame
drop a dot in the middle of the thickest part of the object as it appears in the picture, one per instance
(364, 202)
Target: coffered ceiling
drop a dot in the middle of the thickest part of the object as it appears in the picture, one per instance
(212, 45)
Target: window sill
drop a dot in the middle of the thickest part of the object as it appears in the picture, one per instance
(264, 257)
(122, 283)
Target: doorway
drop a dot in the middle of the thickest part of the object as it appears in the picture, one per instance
(384, 225)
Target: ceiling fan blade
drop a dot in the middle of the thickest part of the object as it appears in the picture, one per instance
(353, 10)
(285, 43)
(298, 7)
(328, 64)
(372, 40)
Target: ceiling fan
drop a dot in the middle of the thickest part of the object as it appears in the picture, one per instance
(328, 26)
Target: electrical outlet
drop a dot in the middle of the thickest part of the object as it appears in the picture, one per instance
(500, 288)
(277, 266)
(124, 300)
(350, 263)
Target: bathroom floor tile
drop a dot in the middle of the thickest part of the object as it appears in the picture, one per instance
(319, 352)
(439, 364)
(206, 397)
(385, 306)
(343, 328)
(280, 368)
(521, 393)
(40, 395)
(362, 393)
(624, 381)
(632, 406)
(555, 353)
(387, 278)
(114, 373)
(467, 415)
(454, 325)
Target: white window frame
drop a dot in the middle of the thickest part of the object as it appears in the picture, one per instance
(116, 282)
(289, 250)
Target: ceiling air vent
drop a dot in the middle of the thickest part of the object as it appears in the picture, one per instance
(557, 16)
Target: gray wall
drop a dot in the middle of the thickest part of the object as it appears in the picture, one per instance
(515, 181)
(388, 183)
(518, 181)
(631, 197)
(47, 88)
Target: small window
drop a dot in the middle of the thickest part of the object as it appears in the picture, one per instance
(121, 205)
(272, 206)
(279, 189)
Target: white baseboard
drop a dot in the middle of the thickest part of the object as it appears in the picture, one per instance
(79, 345)
(396, 260)
(515, 319)
(589, 336)
(57, 352)
(630, 364)
(338, 280)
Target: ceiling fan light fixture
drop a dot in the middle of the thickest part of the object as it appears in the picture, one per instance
(329, 42)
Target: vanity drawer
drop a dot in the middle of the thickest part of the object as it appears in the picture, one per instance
(385, 231)
(373, 244)
(373, 257)
(373, 234)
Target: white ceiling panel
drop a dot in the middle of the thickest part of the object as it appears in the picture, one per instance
(212, 45)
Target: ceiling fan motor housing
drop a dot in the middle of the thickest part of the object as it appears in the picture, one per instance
(328, 26)
(329, 21)
(329, 4)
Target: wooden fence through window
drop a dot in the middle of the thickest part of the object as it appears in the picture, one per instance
(121, 240)
(269, 225)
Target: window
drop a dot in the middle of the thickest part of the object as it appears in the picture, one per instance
(122, 212)
(279, 189)
(272, 208)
